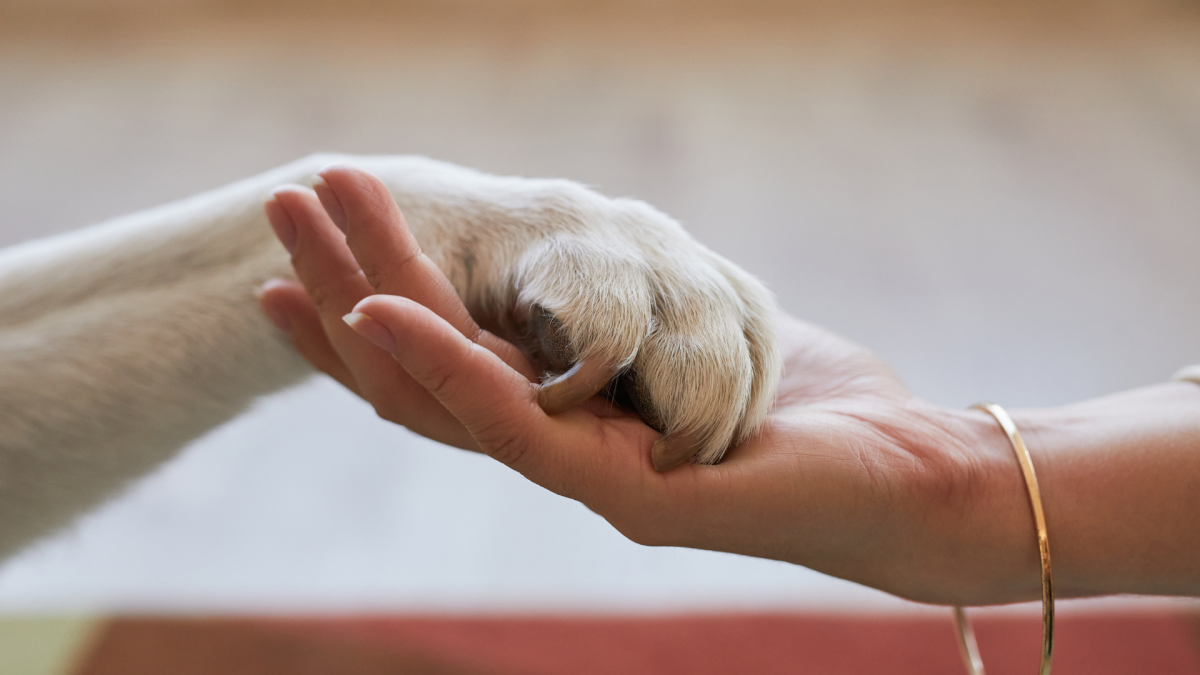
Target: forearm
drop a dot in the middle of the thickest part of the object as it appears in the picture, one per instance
(1121, 488)
(1120, 484)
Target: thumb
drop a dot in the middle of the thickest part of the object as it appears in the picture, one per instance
(574, 454)
(496, 404)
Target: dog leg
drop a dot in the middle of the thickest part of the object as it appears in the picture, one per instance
(122, 342)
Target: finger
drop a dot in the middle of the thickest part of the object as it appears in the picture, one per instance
(330, 275)
(319, 254)
(290, 308)
(334, 280)
(335, 284)
(496, 404)
(384, 247)
(602, 463)
(390, 258)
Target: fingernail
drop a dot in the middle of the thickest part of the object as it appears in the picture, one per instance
(331, 203)
(371, 329)
(281, 223)
(672, 450)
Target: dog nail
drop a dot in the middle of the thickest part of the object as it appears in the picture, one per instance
(281, 223)
(672, 450)
(371, 329)
(584, 380)
(331, 203)
(554, 340)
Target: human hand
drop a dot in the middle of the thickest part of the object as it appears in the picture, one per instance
(851, 475)
(598, 292)
(331, 283)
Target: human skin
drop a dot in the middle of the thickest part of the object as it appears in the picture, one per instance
(852, 475)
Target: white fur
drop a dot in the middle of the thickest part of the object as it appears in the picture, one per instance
(122, 342)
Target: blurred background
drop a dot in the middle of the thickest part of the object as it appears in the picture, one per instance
(1002, 199)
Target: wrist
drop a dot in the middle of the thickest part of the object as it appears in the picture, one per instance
(1006, 565)
(974, 529)
(1120, 484)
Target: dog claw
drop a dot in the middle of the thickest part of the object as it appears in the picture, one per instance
(584, 380)
(553, 339)
(672, 450)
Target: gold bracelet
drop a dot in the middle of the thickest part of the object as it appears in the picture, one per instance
(966, 635)
(1189, 374)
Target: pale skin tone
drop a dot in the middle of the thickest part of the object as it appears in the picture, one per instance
(852, 475)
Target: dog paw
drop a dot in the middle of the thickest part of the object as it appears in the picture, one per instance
(622, 300)
(606, 295)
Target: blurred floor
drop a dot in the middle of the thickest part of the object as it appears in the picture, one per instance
(999, 198)
(762, 644)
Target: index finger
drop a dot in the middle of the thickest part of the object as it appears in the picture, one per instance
(390, 257)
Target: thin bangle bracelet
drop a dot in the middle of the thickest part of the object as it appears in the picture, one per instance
(966, 635)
